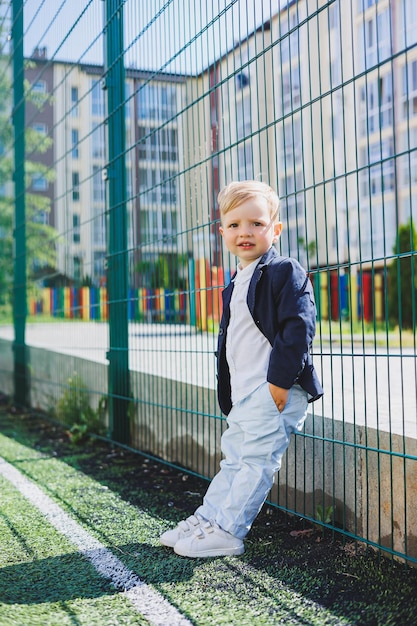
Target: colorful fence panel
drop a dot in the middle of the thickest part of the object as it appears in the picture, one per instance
(345, 297)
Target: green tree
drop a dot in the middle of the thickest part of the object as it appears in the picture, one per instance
(167, 271)
(402, 289)
(39, 236)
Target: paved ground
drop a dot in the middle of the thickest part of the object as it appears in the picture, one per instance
(364, 385)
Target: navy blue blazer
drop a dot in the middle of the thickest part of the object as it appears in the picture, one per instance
(281, 301)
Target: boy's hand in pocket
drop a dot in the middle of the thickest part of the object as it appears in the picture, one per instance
(279, 395)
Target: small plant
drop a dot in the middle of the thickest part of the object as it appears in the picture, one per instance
(324, 515)
(74, 410)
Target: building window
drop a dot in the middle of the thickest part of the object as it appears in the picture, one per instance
(242, 79)
(156, 225)
(157, 102)
(76, 234)
(408, 23)
(292, 206)
(377, 228)
(410, 170)
(39, 86)
(99, 258)
(74, 101)
(292, 181)
(75, 153)
(244, 117)
(77, 261)
(129, 182)
(98, 184)
(365, 4)
(97, 99)
(39, 182)
(378, 175)
(290, 241)
(243, 133)
(292, 139)
(409, 90)
(128, 99)
(334, 14)
(376, 38)
(40, 127)
(289, 43)
(245, 160)
(75, 186)
(385, 101)
(97, 141)
(99, 228)
(158, 186)
(376, 105)
(408, 162)
(291, 92)
(157, 145)
(41, 217)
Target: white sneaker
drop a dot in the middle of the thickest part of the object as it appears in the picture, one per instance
(209, 540)
(184, 529)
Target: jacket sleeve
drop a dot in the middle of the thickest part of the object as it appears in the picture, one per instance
(296, 317)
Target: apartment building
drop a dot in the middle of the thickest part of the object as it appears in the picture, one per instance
(274, 122)
(74, 116)
(386, 131)
(321, 101)
(39, 118)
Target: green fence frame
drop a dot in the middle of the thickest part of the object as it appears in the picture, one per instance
(114, 81)
(21, 369)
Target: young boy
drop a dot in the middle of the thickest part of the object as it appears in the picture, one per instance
(265, 373)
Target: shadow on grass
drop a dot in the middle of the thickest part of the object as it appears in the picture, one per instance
(53, 579)
(72, 576)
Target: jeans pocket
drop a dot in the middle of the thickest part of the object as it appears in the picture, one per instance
(273, 401)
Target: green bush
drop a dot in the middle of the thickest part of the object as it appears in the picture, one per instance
(402, 286)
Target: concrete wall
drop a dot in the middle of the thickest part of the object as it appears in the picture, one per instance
(360, 472)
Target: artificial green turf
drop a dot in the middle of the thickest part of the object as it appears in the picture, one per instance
(133, 535)
(126, 501)
(43, 581)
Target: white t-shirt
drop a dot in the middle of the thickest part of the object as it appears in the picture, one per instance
(247, 349)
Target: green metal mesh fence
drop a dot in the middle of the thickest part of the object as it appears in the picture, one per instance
(127, 120)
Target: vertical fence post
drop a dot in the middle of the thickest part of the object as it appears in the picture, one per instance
(21, 370)
(117, 266)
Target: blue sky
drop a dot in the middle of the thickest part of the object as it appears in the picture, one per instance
(176, 35)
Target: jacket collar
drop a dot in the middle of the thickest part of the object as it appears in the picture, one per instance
(263, 261)
(266, 259)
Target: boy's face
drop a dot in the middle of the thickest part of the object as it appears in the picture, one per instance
(248, 230)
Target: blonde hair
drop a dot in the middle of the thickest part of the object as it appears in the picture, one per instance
(237, 192)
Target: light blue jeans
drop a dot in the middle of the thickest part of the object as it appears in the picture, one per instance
(253, 446)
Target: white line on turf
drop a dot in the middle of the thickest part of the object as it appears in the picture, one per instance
(146, 600)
